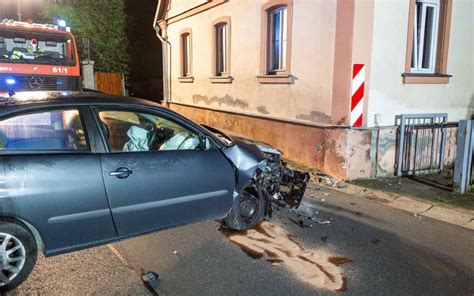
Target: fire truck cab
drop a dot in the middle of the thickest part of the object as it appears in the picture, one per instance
(36, 57)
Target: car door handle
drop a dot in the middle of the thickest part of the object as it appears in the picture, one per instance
(121, 173)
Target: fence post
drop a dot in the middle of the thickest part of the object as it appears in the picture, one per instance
(88, 78)
(401, 143)
(462, 163)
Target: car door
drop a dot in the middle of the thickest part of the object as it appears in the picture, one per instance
(156, 175)
(52, 180)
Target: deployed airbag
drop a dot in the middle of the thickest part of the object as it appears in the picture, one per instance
(138, 139)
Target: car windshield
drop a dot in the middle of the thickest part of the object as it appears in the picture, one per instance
(32, 47)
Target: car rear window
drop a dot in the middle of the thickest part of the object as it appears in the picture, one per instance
(60, 130)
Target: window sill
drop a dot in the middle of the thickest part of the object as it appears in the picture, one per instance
(419, 78)
(187, 79)
(274, 79)
(220, 79)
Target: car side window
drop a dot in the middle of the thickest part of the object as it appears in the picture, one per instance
(127, 131)
(59, 130)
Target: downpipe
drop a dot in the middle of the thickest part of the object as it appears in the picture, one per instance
(164, 46)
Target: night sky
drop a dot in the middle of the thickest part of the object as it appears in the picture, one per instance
(145, 47)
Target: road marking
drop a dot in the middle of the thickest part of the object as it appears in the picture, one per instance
(131, 269)
(124, 261)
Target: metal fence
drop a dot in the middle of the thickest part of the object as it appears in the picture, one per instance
(421, 143)
(463, 163)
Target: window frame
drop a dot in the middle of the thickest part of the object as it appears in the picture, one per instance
(137, 109)
(271, 46)
(186, 55)
(45, 109)
(225, 75)
(221, 49)
(267, 74)
(418, 53)
(438, 74)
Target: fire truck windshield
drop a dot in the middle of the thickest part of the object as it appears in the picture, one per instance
(33, 47)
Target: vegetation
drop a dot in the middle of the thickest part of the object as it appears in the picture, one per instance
(103, 23)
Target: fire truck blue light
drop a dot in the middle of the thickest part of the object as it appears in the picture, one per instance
(62, 23)
(10, 81)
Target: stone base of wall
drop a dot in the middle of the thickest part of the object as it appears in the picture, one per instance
(341, 152)
(318, 147)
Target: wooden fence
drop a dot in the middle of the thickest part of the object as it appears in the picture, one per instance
(110, 83)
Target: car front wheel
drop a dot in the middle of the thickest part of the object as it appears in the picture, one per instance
(17, 255)
(247, 211)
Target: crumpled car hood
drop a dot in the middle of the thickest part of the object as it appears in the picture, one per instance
(247, 158)
(233, 138)
(260, 164)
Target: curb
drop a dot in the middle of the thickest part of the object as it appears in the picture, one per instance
(418, 208)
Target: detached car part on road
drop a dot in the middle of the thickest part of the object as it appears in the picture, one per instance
(79, 170)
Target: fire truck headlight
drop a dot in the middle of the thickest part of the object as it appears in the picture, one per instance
(10, 81)
(62, 23)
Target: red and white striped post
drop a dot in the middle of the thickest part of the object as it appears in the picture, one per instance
(357, 99)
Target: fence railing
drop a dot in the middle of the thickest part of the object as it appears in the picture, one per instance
(421, 143)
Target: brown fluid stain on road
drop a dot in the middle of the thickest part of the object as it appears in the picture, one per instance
(275, 244)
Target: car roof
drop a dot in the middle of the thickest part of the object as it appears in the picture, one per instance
(27, 100)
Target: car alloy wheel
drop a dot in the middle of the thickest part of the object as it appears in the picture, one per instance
(12, 257)
(248, 207)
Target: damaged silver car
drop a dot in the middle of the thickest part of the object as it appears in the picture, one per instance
(269, 180)
(79, 170)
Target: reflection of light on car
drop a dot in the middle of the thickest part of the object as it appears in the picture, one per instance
(69, 117)
(32, 96)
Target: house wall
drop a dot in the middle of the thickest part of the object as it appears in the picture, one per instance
(308, 118)
(179, 6)
(307, 99)
(321, 147)
(389, 96)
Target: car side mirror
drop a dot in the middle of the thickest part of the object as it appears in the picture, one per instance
(204, 142)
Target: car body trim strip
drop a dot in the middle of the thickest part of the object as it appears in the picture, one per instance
(168, 202)
(79, 216)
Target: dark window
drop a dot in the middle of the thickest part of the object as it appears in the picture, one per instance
(43, 131)
(277, 41)
(128, 131)
(221, 49)
(33, 47)
(186, 54)
(425, 32)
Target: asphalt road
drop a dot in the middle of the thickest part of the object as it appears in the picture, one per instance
(392, 253)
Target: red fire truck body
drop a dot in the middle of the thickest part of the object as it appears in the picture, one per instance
(37, 57)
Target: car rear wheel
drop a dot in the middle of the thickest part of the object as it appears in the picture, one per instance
(247, 211)
(17, 255)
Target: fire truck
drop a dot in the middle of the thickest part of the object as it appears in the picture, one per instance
(35, 57)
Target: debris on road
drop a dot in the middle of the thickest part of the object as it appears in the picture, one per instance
(175, 252)
(305, 214)
(301, 223)
(320, 221)
(151, 281)
(375, 241)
